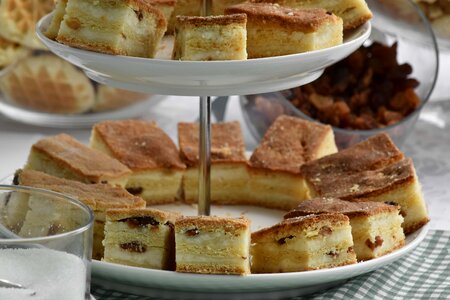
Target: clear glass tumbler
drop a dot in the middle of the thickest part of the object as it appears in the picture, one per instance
(45, 245)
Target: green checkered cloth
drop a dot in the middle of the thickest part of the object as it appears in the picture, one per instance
(423, 274)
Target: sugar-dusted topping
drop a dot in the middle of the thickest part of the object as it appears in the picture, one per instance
(211, 20)
(197, 224)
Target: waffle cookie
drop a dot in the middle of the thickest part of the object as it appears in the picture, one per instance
(184, 8)
(273, 30)
(210, 38)
(374, 170)
(274, 167)
(111, 27)
(141, 238)
(49, 84)
(10, 52)
(110, 98)
(63, 156)
(212, 245)
(353, 12)
(148, 152)
(99, 197)
(229, 174)
(304, 243)
(376, 226)
(18, 20)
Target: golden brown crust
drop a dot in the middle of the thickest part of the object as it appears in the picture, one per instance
(415, 226)
(124, 213)
(306, 20)
(89, 163)
(288, 144)
(195, 21)
(104, 48)
(163, 2)
(139, 145)
(334, 205)
(97, 196)
(300, 223)
(227, 143)
(374, 153)
(362, 184)
(212, 269)
(212, 223)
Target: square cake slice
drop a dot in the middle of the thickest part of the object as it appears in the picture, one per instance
(63, 156)
(304, 243)
(212, 245)
(229, 174)
(374, 170)
(140, 237)
(99, 197)
(376, 226)
(184, 8)
(273, 30)
(275, 178)
(119, 27)
(148, 151)
(210, 38)
(353, 12)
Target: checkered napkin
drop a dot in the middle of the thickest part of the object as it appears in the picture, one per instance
(423, 274)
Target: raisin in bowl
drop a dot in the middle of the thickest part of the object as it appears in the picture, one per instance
(381, 87)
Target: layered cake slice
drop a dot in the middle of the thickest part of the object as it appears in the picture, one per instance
(63, 156)
(273, 30)
(148, 151)
(304, 243)
(210, 38)
(229, 174)
(275, 178)
(212, 245)
(140, 237)
(374, 170)
(376, 226)
(119, 27)
(353, 12)
(99, 197)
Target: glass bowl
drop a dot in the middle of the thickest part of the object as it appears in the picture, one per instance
(418, 50)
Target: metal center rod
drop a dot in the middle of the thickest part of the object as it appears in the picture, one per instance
(204, 176)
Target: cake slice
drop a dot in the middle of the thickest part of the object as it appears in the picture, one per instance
(375, 170)
(274, 167)
(148, 151)
(229, 174)
(99, 197)
(141, 238)
(119, 27)
(273, 30)
(63, 156)
(184, 8)
(376, 226)
(210, 38)
(304, 243)
(167, 7)
(212, 245)
(58, 16)
(353, 12)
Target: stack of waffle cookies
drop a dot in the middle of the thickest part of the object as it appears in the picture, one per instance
(341, 207)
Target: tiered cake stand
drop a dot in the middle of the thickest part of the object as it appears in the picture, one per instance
(206, 79)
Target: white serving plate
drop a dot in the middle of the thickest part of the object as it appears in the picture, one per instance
(204, 78)
(173, 285)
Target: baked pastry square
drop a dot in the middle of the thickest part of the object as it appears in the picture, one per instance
(148, 151)
(274, 167)
(229, 174)
(141, 238)
(212, 245)
(304, 243)
(210, 38)
(376, 226)
(374, 170)
(119, 27)
(63, 156)
(99, 197)
(184, 8)
(353, 12)
(273, 30)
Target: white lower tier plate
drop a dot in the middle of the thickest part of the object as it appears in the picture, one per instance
(204, 78)
(173, 285)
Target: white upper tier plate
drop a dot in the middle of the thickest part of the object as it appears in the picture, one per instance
(204, 78)
(173, 285)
